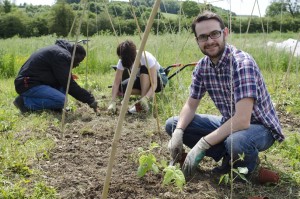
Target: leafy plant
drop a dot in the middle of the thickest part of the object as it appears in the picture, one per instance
(43, 191)
(238, 172)
(147, 161)
(173, 175)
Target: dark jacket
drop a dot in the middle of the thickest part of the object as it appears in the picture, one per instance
(50, 66)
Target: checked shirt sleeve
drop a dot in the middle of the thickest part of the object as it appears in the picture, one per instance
(245, 80)
(197, 88)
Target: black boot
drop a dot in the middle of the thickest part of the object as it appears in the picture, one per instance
(225, 166)
(19, 103)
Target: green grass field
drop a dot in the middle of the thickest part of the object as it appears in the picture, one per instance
(23, 140)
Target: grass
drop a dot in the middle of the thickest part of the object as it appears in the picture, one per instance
(24, 140)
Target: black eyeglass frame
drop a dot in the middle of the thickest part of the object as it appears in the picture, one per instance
(204, 39)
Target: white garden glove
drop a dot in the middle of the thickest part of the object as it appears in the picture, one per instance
(141, 106)
(112, 107)
(194, 157)
(144, 103)
(175, 144)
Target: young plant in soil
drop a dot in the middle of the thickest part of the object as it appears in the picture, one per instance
(148, 163)
(173, 175)
(238, 172)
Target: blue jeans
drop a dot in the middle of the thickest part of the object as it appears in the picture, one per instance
(250, 141)
(43, 97)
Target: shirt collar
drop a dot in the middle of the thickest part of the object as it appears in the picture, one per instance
(224, 58)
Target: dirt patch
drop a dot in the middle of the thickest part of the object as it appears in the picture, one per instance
(78, 163)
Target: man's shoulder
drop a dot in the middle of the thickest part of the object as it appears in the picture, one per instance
(203, 62)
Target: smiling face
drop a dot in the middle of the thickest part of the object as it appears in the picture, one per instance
(213, 48)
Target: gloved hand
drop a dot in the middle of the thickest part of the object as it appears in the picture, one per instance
(144, 101)
(95, 107)
(194, 157)
(142, 105)
(175, 144)
(112, 107)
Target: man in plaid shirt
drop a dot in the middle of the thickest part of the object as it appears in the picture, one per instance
(232, 79)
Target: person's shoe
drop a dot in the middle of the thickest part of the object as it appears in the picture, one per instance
(132, 110)
(19, 103)
(253, 175)
(224, 168)
(250, 177)
(139, 108)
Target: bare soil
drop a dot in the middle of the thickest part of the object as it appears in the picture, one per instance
(77, 164)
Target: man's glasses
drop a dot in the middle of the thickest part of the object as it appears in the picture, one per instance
(213, 35)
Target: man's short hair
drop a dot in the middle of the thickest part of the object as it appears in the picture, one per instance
(207, 15)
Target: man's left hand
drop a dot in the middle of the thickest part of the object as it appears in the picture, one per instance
(192, 160)
(194, 157)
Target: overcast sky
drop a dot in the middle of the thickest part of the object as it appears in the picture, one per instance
(240, 7)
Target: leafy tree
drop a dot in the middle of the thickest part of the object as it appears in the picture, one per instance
(37, 27)
(170, 6)
(72, 1)
(95, 7)
(276, 8)
(148, 3)
(11, 25)
(7, 6)
(33, 10)
(284, 7)
(207, 6)
(117, 9)
(190, 8)
(62, 19)
(293, 7)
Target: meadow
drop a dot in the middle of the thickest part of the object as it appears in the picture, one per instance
(35, 155)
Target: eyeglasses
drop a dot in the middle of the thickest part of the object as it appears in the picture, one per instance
(213, 35)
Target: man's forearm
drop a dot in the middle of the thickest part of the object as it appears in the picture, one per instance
(232, 125)
(185, 117)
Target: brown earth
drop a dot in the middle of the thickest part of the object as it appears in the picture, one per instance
(78, 163)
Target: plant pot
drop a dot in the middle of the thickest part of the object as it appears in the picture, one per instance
(267, 176)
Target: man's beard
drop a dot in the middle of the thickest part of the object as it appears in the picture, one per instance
(215, 55)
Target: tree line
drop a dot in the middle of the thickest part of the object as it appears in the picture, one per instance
(106, 17)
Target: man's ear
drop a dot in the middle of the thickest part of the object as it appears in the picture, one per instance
(226, 32)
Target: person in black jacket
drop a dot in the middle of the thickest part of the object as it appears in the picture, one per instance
(42, 80)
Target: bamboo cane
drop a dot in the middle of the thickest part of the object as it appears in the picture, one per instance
(117, 134)
(71, 67)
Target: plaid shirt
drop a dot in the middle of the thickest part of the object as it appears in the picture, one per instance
(246, 81)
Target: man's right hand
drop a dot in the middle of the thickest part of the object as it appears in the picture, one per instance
(112, 107)
(176, 143)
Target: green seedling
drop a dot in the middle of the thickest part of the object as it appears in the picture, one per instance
(147, 161)
(239, 172)
(173, 175)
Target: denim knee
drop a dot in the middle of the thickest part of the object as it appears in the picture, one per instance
(237, 145)
(171, 125)
(242, 145)
(58, 102)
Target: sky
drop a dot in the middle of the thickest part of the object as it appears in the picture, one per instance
(240, 7)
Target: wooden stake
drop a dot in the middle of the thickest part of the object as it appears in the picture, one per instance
(70, 72)
(126, 99)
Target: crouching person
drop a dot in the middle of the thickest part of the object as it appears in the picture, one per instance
(248, 123)
(42, 80)
(143, 86)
